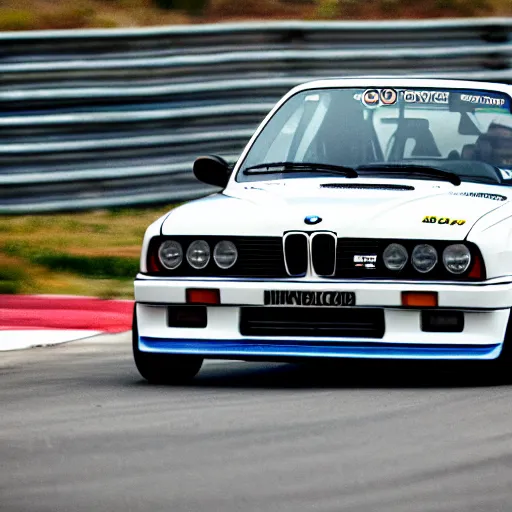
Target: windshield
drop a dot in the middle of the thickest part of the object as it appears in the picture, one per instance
(465, 132)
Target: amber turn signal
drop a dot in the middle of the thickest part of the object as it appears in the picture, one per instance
(419, 299)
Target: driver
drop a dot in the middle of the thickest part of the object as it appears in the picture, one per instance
(495, 146)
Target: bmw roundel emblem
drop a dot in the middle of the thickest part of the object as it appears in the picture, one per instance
(312, 219)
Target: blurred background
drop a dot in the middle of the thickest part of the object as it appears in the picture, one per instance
(104, 105)
(63, 14)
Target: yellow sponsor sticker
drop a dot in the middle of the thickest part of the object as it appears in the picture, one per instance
(432, 219)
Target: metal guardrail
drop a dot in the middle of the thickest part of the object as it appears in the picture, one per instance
(103, 118)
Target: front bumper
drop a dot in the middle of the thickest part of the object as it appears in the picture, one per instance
(486, 313)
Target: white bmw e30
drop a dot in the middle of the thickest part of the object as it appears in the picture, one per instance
(365, 218)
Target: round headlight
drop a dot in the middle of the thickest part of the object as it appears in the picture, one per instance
(170, 254)
(456, 258)
(424, 258)
(395, 257)
(198, 254)
(225, 254)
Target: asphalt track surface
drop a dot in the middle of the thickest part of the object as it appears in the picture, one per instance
(81, 431)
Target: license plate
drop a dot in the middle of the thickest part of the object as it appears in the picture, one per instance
(304, 298)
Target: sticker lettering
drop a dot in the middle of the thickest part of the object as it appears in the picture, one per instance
(426, 96)
(308, 298)
(431, 219)
(482, 195)
(483, 100)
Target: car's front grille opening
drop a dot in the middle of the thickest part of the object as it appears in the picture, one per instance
(352, 255)
(257, 257)
(323, 250)
(296, 253)
(312, 322)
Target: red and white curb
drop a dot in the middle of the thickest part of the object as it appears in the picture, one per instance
(36, 320)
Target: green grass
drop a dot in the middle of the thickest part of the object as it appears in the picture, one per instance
(110, 267)
(12, 279)
(92, 253)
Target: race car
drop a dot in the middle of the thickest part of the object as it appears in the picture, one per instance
(366, 218)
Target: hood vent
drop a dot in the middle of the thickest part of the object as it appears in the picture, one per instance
(360, 186)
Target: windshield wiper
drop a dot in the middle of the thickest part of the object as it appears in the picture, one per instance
(272, 167)
(424, 170)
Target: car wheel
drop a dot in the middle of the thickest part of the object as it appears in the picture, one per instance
(163, 368)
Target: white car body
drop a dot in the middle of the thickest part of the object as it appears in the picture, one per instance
(271, 208)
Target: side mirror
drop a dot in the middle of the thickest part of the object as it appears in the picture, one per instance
(212, 170)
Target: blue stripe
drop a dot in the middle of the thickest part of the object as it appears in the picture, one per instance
(279, 348)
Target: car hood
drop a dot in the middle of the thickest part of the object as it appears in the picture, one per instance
(359, 208)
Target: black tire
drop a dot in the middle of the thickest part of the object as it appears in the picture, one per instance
(163, 368)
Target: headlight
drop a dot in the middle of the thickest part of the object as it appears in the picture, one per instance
(170, 254)
(395, 257)
(225, 254)
(456, 258)
(198, 254)
(424, 258)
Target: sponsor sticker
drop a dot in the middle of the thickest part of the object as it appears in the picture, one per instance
(365, 260)
(482, 99)
(308, 298)
(432, 219)
(482, 195)
(439, 97)
(376, 97)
